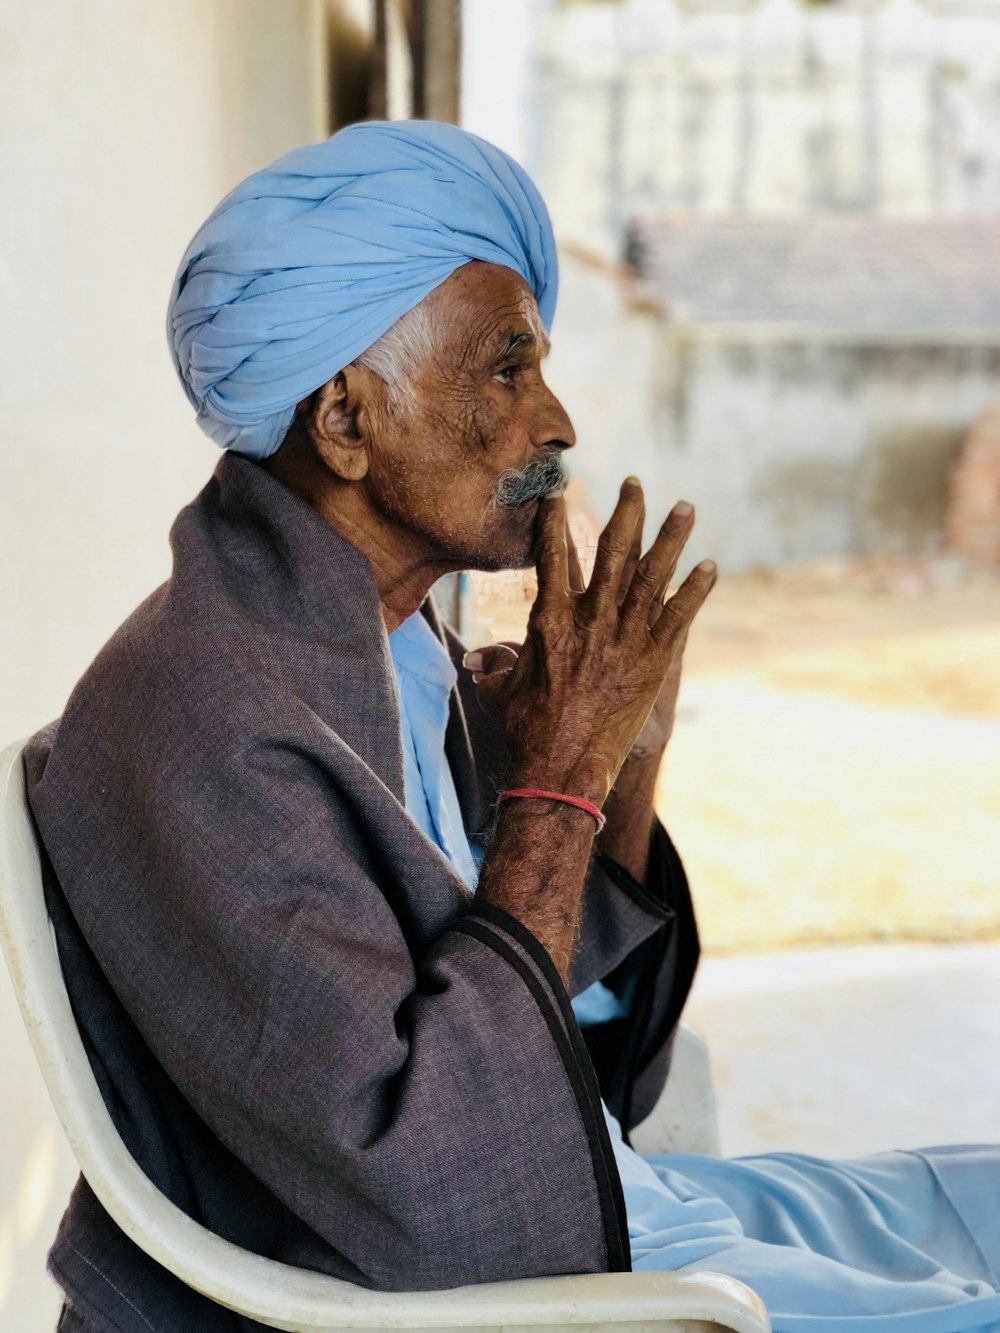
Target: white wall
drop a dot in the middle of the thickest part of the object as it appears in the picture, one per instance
(121, 126)
(496, 70)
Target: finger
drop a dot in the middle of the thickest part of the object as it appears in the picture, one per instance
(659, 597)
(614, 544)
(550, 549)
(633, 557)
(497, 657)
(679, 610)
(492, 690)
(473, 660)
(577, 583)
(653, 571)
(661, 593)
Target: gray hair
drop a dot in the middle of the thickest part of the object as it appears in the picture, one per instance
(401, 351)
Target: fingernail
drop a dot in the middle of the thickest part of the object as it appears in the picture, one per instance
(632, 481)
(707, 566)
(681, 509)
(473, 660)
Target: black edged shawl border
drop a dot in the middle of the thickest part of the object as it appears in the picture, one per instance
(576, 1060)
(667, 870)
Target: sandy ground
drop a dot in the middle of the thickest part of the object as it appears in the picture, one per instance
(834, 775)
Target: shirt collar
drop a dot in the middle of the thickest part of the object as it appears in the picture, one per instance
(417, 650)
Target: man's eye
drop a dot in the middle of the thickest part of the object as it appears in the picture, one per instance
(506, 375)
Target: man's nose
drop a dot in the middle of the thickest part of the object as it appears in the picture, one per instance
(553, 428)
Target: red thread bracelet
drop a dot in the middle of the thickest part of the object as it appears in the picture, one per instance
(536, 793)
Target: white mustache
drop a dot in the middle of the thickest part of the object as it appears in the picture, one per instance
(518, 486)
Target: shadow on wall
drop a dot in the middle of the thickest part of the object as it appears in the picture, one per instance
(903, 486)
(894, 497)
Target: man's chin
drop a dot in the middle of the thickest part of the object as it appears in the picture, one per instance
(513, 546)
(496, 566)
(492, 562)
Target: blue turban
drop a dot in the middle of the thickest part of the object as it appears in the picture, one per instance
(308, 262)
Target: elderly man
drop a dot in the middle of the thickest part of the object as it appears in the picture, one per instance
(322, 892)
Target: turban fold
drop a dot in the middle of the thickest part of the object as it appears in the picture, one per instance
(306, 263)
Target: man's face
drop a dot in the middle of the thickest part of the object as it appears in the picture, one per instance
(481, 410)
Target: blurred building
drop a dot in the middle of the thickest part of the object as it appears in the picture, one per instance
(781, 223)
(779, 106)
(839, 363)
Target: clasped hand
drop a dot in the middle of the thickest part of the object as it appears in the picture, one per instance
(597, 675)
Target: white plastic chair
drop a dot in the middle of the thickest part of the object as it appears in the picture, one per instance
(276, 1294)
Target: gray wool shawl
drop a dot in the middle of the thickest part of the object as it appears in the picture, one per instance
(310, 1034)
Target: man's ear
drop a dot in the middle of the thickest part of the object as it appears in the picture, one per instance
(335, 419)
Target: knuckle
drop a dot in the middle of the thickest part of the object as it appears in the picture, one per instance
(672, 619)
(675, 533)
(586, 613)
(614, 544)
(546, 621)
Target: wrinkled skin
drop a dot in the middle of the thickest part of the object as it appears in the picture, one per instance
(412, 489)
(594, 658)
(588, 700)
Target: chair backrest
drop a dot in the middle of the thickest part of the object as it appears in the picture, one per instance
(275, 1294)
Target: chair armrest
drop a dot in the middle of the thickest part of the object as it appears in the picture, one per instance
(685, 1118)
(301, 1302)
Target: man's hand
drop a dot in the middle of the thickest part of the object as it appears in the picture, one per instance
(600, 662)
(573, 699)
(500, 658)
(629, 805)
